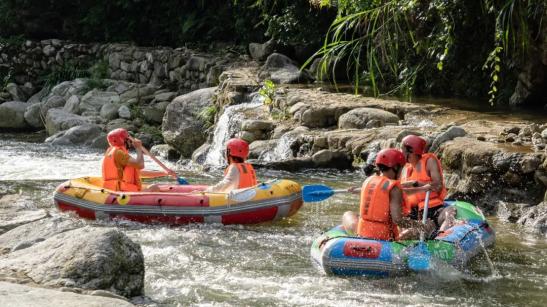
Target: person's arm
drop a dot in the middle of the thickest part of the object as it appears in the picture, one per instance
(152, 174)
(228, 183)
(435, 174)
(396, 211)
(137, 162)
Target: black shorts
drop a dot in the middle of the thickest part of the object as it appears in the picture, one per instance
(432, 213)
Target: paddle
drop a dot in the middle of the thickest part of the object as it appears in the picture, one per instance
(419, 258)
(319, 192)
(180, 180)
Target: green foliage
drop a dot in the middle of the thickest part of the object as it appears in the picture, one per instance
(207, 115)
(409, 47)
(5, 78)
(267, 91)
(97, 73)
(66, 72)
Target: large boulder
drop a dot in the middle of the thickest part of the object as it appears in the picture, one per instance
(95, 99)
(87, 258)
(154, 114)
(12, 115)
(181, 126)
(535, 218)
(78, 135)
(59, 120)
(361, 117)
(24, 295)
(109, 111)
(281, 69)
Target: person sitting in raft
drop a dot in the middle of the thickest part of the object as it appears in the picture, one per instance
(382, 201)
(120, 171)
(422, 173)
(239, 174)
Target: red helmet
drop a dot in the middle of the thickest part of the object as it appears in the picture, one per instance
(237, 148)
(416, 143)
(117, 137)
(390, 157)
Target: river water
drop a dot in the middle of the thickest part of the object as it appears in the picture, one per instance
(269, 264)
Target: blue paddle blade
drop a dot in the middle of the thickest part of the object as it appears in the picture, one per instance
(182, 181)
(419, 258)
(314, 193)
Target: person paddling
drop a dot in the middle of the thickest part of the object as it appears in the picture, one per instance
(422, 173)
(381, 206)
(120, 171)
(239, 174)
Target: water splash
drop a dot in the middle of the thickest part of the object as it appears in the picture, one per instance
(227, 126)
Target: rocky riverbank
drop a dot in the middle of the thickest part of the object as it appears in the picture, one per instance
(188, 105)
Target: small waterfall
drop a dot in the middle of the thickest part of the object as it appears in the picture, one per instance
(227, 126)
(282, 150)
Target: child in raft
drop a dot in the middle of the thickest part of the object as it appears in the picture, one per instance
(239, 174)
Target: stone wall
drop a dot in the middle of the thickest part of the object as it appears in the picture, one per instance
(181, 68)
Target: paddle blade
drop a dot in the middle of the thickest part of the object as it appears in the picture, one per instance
(419, 258)
(314, 193)
(241, 195)
(182, 181)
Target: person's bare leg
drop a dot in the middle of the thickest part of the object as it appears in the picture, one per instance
(152, 188)
(349, 221)
(447, 218)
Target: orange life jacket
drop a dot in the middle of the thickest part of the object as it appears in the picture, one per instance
(419, 173)
(375, 219)
(247, 175)
(119, 178)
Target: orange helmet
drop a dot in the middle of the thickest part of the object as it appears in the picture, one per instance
(237, 148)
(390, 157)
(416, 143)
(117, 137)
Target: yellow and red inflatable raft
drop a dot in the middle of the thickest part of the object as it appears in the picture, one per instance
(178, 204)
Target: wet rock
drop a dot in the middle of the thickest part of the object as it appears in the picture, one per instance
(25, 295)
(282, 70)
(529, 164)
(544, 134)
(514, 130)
(199, 155)
(280, 130)
(448, 135)
(510, 138)
(13, 215)
(359, 118)
(181, 125)
(78, 135)
(332, 159)
(258, 148)
(12, 115)
(100, 142)
(59, 120)
(290, 165)
(87, 258)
